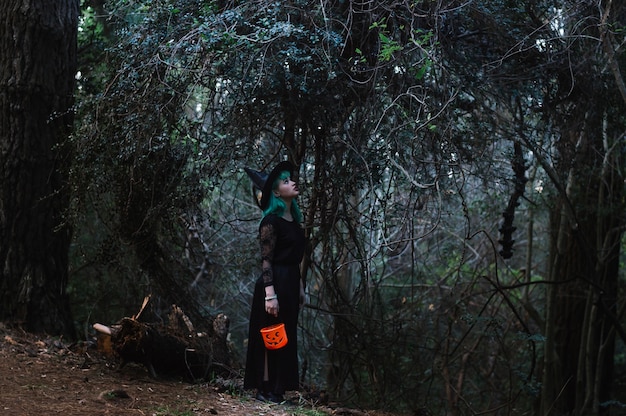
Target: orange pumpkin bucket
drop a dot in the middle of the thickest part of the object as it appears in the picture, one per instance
(274, 336)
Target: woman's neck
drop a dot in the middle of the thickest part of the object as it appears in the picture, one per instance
(287, 214)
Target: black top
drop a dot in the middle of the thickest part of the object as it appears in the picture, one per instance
(282, 243)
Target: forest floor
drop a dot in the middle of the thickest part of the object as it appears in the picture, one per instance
(43, 376)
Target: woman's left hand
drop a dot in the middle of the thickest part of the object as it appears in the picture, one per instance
(271, 307)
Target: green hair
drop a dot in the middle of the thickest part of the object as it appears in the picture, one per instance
(277, 206)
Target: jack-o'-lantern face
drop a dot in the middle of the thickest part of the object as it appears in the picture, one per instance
(274, 337)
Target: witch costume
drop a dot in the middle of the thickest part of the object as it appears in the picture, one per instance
(272, 372)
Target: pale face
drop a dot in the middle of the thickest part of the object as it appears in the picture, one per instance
(287, 189)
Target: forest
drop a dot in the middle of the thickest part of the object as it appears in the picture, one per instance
(461, 174)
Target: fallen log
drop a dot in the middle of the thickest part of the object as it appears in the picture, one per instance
(175, 349)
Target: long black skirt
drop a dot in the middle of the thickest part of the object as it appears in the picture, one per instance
(282, 364)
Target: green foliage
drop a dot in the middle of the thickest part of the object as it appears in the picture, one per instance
(136, 174)
(401, 121)
(167, 411)
(388, 46)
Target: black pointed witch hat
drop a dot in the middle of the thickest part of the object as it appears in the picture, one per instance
(262, 182)
(258, 181)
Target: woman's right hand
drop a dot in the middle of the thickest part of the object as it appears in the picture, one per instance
(271, 307)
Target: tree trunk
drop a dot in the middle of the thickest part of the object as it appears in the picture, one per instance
(580, 331)
(176, 349)
(37, 78)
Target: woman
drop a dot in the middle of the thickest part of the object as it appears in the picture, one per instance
(279, 291)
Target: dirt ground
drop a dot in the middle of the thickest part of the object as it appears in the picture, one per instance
(44, 376)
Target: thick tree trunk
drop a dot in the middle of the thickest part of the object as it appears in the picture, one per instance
(37, 72)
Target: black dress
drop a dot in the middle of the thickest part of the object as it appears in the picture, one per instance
(282, 245)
